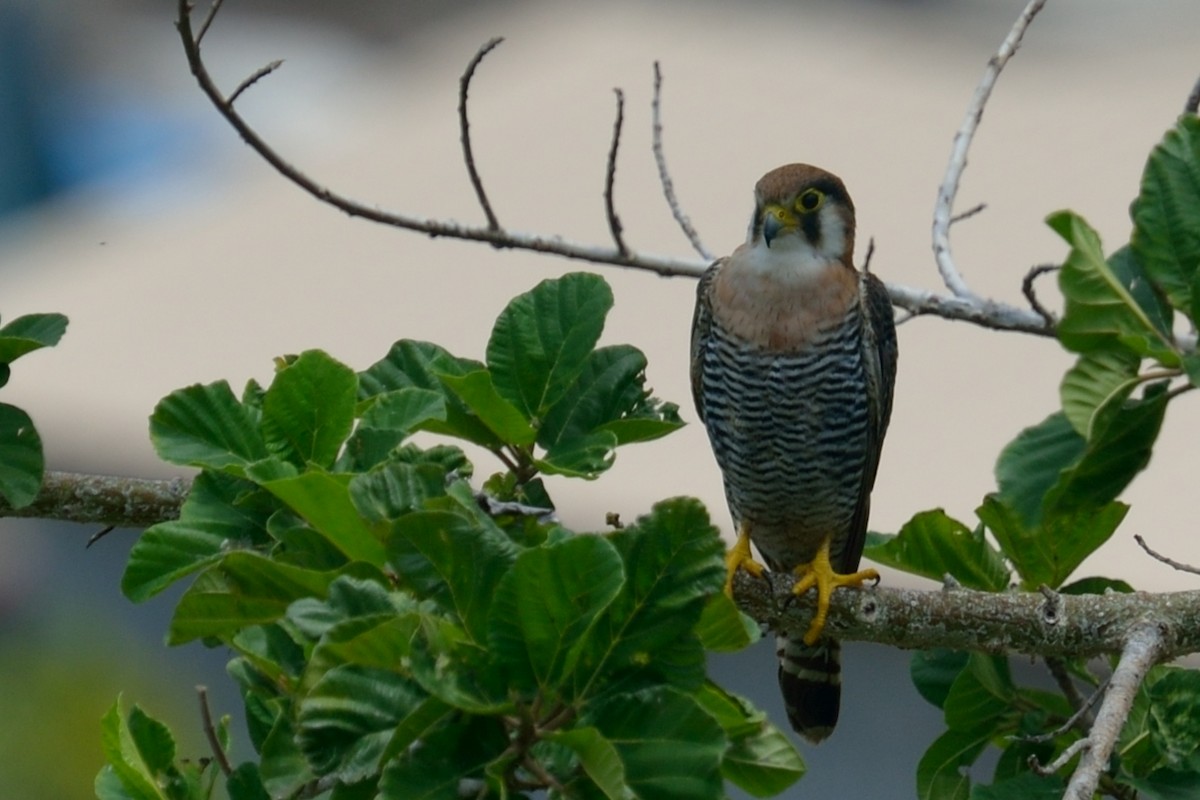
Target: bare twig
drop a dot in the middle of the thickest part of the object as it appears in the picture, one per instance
(610, 176)
(1081, 719)
(870, 253)
(1027, 289)
(970, 212)
(254, 78)
(464, 85)
(210, 732)
(208, 19)
(943, 211)
(1143, 649)
(103, 500)
(1063, 758)
(1192, 105)
(664, 175)
(1168, 561)
(986, 313)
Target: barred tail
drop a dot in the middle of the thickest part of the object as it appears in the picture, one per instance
(811, 681)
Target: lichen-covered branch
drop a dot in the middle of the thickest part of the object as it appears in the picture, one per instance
(104, 500)
(1053, 625)
(1144, 645)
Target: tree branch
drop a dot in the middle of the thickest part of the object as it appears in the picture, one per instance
(1144, 647)
(464, 127)
(664, 175)
(610, 177)
(1069, 626)
(943, 211)
(104, 500)
(918, 302)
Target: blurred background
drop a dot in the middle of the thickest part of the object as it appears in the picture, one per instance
(127, 204)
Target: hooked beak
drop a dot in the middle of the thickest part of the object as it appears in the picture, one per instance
(776, 220)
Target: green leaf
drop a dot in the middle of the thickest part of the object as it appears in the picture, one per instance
(723, 628)
(422, 365)
(940, 774)
(1096, 586)
(478, 393)
(1166, 784)
(283, 767)
(21, 461)
(244, 589)
(599, 759)
(213, 520)
(1033, 462)
(245, 783)
(323, 500)
(545, 606)
(1166, 215)
(581, 457)
(467, 558)
(933, 544)
(394, 489)
(347, 720)
(28, 333)
(980, 694)
(1100, 307)
(673, 562)
(448, 756)
(542, 339)
(1026, 786)
(206, 426)
(608, 394)
(933, 672)
(1049, 553)
(1174, 726)
(1097, 379)
(137, 779)
(153, 740)
(1121, 444)
(388, 419)
(670, 747)
(761, 759)
(308, 410)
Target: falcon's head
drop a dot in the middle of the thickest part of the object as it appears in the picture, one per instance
(802, 212)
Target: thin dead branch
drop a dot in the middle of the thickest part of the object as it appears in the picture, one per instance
(943, 211)
(1030, 293)
(610, 177)
(464, 127)
(210, 732)
(254, 78)
(1192, 105)
(664, 175)
(1164, 559)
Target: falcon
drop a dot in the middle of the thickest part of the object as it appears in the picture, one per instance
(793, 364)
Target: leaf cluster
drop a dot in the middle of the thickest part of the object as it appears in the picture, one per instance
(397, 633)
(22, 463)
(1056, 499)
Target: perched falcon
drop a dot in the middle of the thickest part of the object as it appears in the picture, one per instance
(793, 362)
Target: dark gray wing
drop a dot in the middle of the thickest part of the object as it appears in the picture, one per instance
(879, 353)
(701, 330)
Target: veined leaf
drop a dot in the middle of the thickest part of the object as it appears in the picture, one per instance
(1166, 215)
(219, 514)
(1097, 379)
(1033, 462)
(462, 749)
(206, 426)
(323, 500)
(469, 559)
(21, 461)
(582, 457)
(422, 364)
(308, 410)
(599, 759)
(939, 773)
(478, 393)
(545, 606)
(542, 339)
(28, 333)
(123, 751)
(1026, 786)
(347, 720)
(395, 488)
(933, 672)
(933, 544)
(387, 420)
(761, 759)
(724, 628)
(1100, 307)
(1051, 551)
(670, 747)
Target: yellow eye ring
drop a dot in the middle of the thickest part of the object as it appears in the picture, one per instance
(809, 201)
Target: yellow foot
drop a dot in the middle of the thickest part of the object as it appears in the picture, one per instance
(739, 557)
(819, 573)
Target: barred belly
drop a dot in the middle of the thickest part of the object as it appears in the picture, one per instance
(789, 431)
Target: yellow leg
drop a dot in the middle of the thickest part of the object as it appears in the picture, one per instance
(739, 557)
(819, 573)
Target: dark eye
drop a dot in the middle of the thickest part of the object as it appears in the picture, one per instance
(809, 200)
